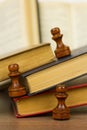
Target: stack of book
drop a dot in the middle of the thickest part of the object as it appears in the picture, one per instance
(40, 69)
(41, 82)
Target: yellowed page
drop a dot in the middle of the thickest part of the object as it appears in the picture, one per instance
(55, 14)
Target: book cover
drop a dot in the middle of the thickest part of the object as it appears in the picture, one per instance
(60, 71)
(46, 101)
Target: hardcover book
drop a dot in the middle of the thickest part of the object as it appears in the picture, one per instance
(46, 101)
(60, 71)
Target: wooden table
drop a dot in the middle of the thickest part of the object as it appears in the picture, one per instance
(8, 121)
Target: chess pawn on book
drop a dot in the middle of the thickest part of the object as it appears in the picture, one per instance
(15, 89)
(61, 49)
(61, 111)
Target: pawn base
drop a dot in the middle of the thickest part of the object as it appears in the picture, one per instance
(16, 93)
(62, 52)
(61, 114)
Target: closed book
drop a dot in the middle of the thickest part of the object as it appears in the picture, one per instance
(60, 71)
(45, 102)
(29, 59)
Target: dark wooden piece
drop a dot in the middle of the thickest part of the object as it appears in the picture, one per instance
(61, 50)
(16, 89)
(61, 111)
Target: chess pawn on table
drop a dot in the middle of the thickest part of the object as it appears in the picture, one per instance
(61, 111)
(15, 89)
(61, 49)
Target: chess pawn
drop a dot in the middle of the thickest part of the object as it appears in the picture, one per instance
(15, 89)
(61, 49)
(61, 112)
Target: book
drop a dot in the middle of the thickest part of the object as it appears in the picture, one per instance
(69, 16)
(19, 26)
(31, 58)
(46, 101)
(60, 71)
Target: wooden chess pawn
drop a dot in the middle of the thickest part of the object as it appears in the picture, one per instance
(61, 112)
(15, 89)
(61, 49)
